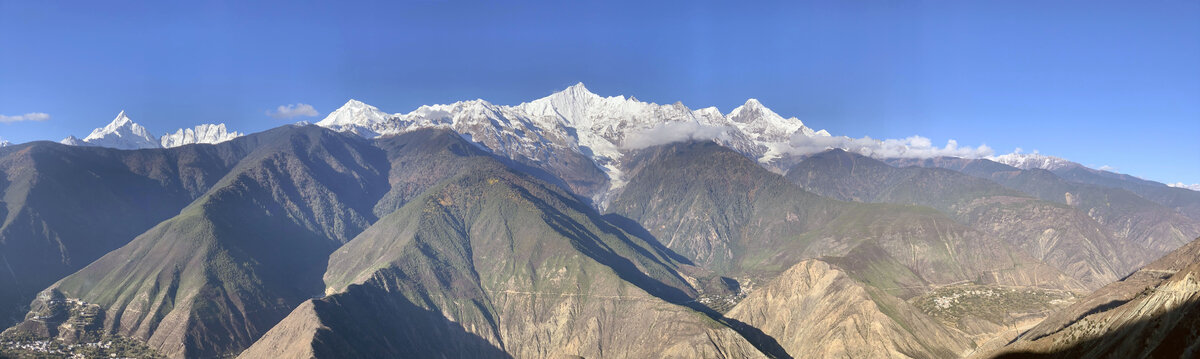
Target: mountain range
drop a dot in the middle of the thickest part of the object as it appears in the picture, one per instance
(577, 225)
(559, 130)
(123, 133)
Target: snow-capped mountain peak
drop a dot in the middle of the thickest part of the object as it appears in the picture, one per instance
(72, 140)
(121, 120)
(205, 133)
(575, 94)
(558, 129)
(762, 124)
(357, 117)
(121, 133)
(1033, 160)
(752, 110)
(571, 104)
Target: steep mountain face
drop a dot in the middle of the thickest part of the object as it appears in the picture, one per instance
(1154, 313)
(816, 310)
(1059, 235)
(63, 207)
(1131, 218)
(206, 133)
(706, 202)
(210, 280)
(579, 136)
(422, 158)
(492, 263)
(724, 212)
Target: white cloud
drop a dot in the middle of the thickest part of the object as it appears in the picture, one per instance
(293, 110)
(1107, 168)
(675, 132)
(1194, 186)
(800, 144)
(910, 147)
(32, 116)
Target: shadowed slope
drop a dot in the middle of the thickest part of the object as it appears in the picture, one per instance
(420, 159)
(513, 262)
(62, 207)
(817, 311)
(1154, 313)
(212, 279)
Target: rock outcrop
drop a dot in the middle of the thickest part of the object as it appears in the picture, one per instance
(815, 310)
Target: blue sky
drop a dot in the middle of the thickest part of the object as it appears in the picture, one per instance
(1098, 82)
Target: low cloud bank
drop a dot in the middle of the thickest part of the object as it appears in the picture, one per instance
(32, 116)
(800, 144)
(677, 132)
(1194, 186)
(910, 147)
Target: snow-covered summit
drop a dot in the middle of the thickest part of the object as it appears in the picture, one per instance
(357, 117)
(762, 124)
(1033, 160)
(576, 122)
(123, 133)
(72, 140)
(205, 133)
(572, 104)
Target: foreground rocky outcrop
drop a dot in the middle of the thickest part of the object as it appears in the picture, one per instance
(815, 310)
(1154, 313)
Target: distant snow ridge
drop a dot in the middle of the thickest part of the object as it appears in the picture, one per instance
(1033, 160)
(123, 133)
(604, 129)
(206, 133)
(577, 121)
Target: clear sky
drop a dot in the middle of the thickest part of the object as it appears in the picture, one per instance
(1098, 82)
